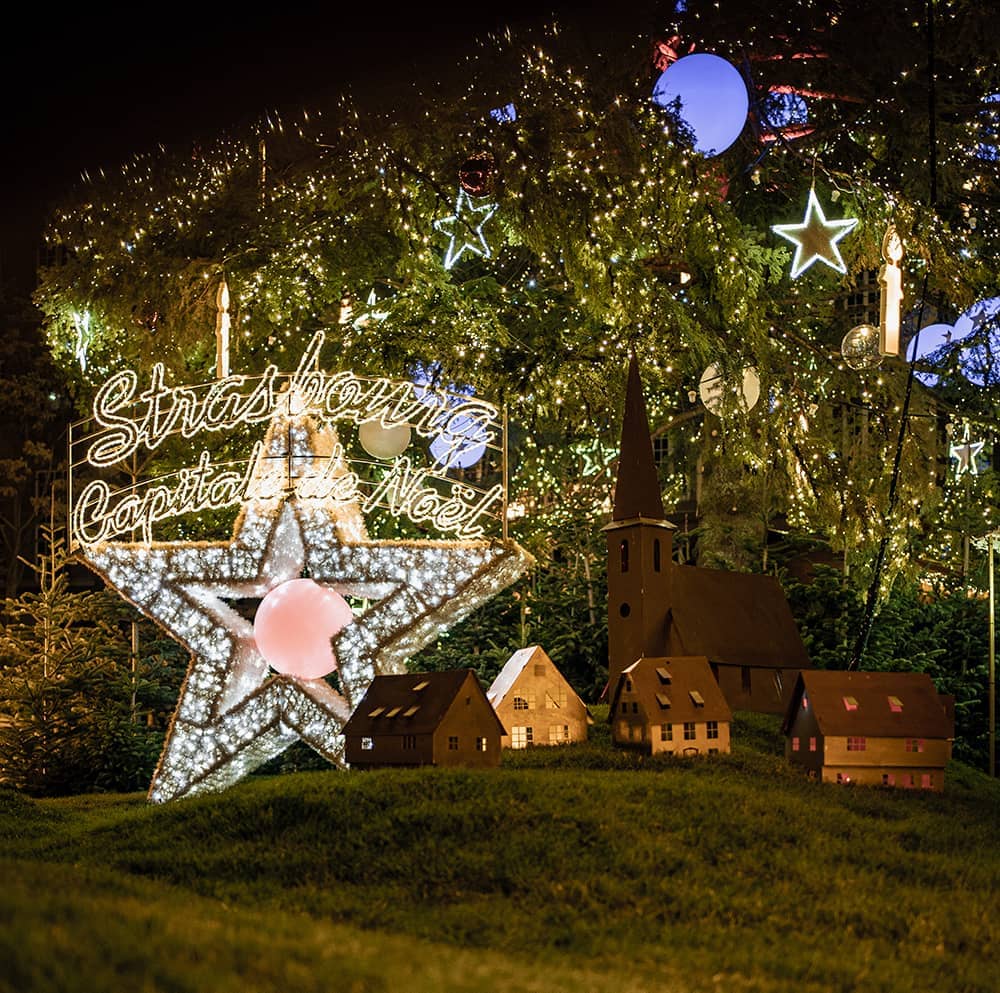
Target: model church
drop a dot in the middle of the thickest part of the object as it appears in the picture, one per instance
(740, 622)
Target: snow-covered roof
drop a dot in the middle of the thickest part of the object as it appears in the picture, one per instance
(507, 676)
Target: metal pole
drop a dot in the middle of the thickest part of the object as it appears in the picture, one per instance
(503, 470)
(993, 685)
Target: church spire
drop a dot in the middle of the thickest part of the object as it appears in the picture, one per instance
(637, 490)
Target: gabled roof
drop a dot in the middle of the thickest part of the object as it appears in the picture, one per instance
(513, 668)
(637, 489)
(919, 708)
(668, 688)
(413, 703)
(737, 618)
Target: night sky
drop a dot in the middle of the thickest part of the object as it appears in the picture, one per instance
(89, 88)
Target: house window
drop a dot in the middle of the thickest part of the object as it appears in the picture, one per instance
(663, 700)
(857, 744)
(895, 704)
(888, 779)
(628, 684)
(795, 744)
(914, 744)
(529, 735)
(453, 743)
(558, 733)
(409, 741)
(481, 745)
(622, 730)
(624, 554)
(689, 730)
(635, 707)
(712, 729)
(663, 674)
(367, 744)
(745, 678)
(842, 777)
(625, 708)
(812, 744)
(539, 668)
(850, 703)
(422, 685)
(912, 780)
(779, 683)
(656, 555)
(696, 698)
(666, 732)
(520, 703)
(518, 738)
(925, 781)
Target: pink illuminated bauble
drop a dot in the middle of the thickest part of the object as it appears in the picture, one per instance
(294, 625)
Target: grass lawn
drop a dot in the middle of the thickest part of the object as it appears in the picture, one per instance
(580, 869)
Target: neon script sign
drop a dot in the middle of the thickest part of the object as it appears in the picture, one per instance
(129, 418)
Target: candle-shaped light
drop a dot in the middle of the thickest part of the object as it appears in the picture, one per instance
(890, 278)
(222, 331)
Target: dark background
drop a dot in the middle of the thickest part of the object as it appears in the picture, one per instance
(87, 88)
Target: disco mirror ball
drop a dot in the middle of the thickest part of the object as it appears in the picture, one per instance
(860, 348)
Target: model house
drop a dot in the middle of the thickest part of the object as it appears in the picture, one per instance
(873, 728)
(670, 705)
(740, 622)
(535, 702)
(424, 718)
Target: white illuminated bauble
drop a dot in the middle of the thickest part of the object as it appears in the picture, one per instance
(461, 445)
(382, 442)
(710, 97)
(294, 625)
(860, 348)
(712, 386)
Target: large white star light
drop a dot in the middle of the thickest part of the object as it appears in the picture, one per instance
(816, 238)
(966, 453)
(462, 224)
(234, 713)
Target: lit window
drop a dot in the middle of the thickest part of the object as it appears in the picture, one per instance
(925, 781)
(888, 779)
(663, 700)
(856, 744)
(422, 685)
(558, 733)
(622, 730)
(520, 703)
(393, 712)
(779, 682)
(689, 730)
(480, 744)
(663, 674)
(666, 732)
(453, 743)
(409, 741)
(367, 744)
(795, 744)
(842, 777)
(529, 735)
(914, 744)
(895, 704)
(377, 711)
(812, 744)
(410, 711)
(712, 729)
(696, 698)
(850, 703)
(518, 738)
(805, 702)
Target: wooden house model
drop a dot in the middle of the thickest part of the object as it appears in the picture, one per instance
(740, 622)
(424, 718)
(873, 728)
(670, 705)
(535, 702)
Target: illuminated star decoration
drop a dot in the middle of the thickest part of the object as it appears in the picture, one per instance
(966, 452)
(816, 238)
(460, 224)
(233, 713)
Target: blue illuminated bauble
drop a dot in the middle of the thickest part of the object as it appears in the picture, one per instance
(926, 343)
(980, 361)
(976, 317)
(783, 110)
(709, 96)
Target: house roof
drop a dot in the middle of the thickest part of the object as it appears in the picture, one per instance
(737, 618)
(637, 489)
(413, 703)
(668, 688)
(879, 704)
(513, 668)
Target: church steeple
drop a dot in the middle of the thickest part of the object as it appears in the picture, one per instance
(637, 490)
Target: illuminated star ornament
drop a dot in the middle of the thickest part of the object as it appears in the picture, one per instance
(816, 238)
(468, 220)
(235, 710)
(966, 452)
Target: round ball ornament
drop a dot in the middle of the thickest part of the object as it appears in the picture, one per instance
(712, 386)
(381, 442)
(710, 97)
(293, 627)
(476, 175)
(860, 348)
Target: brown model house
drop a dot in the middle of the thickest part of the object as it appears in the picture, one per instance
(873, 728)
(670, 705)
(740, 622)
(424, 718)
(533, 699)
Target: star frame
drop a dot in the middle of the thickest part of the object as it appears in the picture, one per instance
(233, 713)
(816, 239)
(459, 221)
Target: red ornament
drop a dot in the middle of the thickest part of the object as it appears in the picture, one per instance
(476, 175)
